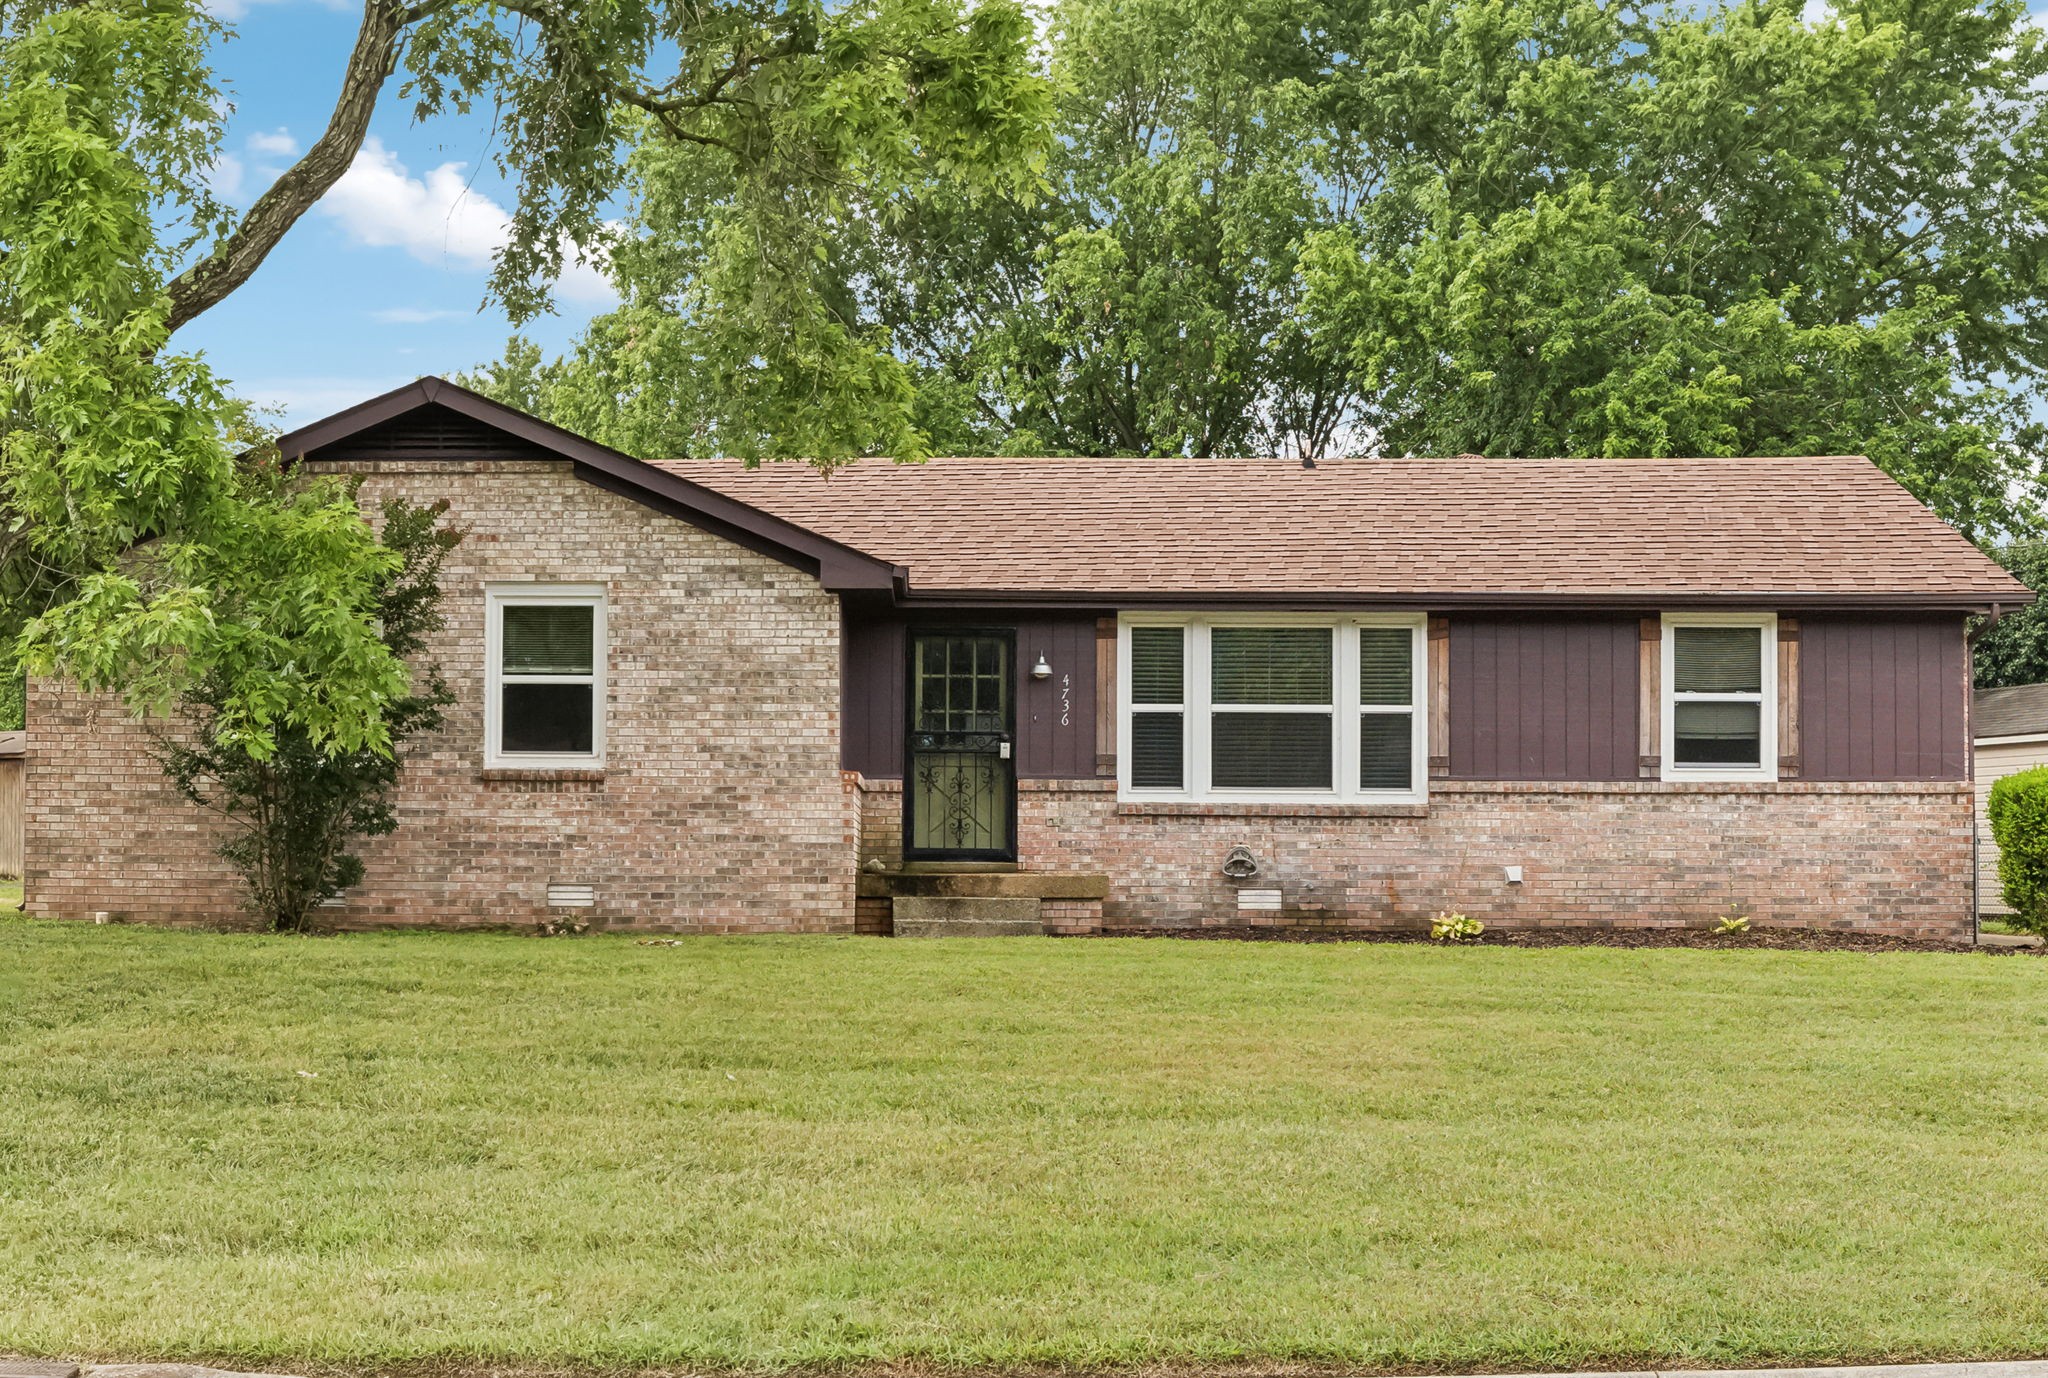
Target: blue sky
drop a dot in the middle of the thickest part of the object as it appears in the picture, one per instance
(382, 281)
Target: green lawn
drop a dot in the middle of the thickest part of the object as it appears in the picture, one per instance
(762, 1153)
(10, 894)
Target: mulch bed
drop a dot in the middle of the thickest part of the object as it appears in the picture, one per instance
(1775, 939)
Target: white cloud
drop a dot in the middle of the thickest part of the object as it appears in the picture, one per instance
(279, 143)
(414, 315)
(1817, 13)
(232, 10)
(437, 218)
(297, 401)
(226, 176)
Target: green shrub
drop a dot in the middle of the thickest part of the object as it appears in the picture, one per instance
(1456, 928)
(2019, 824)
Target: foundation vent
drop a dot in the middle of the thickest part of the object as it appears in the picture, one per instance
(563, 896)
(1255, 900)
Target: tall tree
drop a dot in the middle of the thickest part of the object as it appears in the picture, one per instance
(1147, 300)
(135, 510)
(1496, 226)
(1663, 230)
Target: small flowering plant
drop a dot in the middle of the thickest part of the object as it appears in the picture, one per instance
(1455, 928)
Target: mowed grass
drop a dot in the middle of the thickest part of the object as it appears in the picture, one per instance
(10, 893)
(758, 1153)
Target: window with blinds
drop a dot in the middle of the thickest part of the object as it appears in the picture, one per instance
(545, 676)
(1719, 698)
(1231, 708)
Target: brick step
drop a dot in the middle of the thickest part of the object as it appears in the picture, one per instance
(1037, 885)
(953, 916)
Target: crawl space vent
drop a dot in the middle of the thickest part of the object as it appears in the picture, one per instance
(571, 896)
(1257, 899)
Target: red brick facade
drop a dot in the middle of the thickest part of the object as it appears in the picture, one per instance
(1876, 857)
(721, 806)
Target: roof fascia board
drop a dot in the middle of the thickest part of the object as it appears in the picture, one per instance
(1452, 602)
(2018, 739)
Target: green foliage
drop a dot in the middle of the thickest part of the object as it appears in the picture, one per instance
(1455, 928)
(1732, 924)
(2014, 649)
(299, 804)
(149, 543)
(2018, 809)
(138, 551)
(13, 705)
(1532, 227)
(1712, 231)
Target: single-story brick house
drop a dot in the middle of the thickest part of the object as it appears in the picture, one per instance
(1132, 692)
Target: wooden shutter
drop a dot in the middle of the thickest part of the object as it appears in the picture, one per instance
(1788, 698)
(1650, 710)
(1439, 697)
(1105, 696)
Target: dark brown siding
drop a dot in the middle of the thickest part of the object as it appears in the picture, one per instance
(871, 698)
(1055, 716)
(1883, 699)
(1543, 698)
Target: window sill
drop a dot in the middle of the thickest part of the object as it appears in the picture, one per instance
(1231, 808)
(542, 777)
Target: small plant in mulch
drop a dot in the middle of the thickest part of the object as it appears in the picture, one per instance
(1732, 924)
(1455, 928)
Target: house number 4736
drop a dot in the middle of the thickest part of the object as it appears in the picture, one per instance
(1066, 700)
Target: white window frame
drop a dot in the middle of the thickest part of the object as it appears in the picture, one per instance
(498, 597)
(1197, 709)
(1766, 699)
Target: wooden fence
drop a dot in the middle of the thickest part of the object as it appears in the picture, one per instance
(13, 765)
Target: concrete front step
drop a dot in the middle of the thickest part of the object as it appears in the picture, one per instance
(953, 916)
(1037, 885)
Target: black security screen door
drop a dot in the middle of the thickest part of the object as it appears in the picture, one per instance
(960, 783)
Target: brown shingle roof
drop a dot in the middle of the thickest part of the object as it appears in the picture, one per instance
(2018, 710)
(1807, 528)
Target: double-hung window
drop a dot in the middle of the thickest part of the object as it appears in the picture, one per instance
(1272, 708)
(545, 661)
(1720, 711)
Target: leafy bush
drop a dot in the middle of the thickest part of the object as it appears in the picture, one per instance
(2019, 824)
(299, 806)
(1732, 923)
(1456, 928)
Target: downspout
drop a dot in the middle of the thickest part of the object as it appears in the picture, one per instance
(1970, 724)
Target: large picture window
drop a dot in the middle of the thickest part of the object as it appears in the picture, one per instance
(1272, 707)
(545, 648)
(1720, 709)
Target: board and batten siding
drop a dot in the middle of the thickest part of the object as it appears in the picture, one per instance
(1995, 761)
(1883, 699)
(1056, 717)
(1543, 698)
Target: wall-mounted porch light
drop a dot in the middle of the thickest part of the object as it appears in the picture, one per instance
(1041, 670)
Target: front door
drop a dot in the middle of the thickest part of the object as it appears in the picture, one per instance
(960, 783)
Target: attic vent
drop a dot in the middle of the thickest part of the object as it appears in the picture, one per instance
(571, 896)
(1258, 899)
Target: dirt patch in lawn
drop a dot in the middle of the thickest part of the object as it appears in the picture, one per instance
(1776, 939)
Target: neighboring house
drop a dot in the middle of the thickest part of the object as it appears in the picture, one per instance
(2011, 727)
(1131, 692)
(13, 759)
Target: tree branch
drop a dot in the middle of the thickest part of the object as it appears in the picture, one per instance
(208, 282)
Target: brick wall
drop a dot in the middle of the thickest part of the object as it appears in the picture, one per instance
(721, 807)
(1877, 857)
